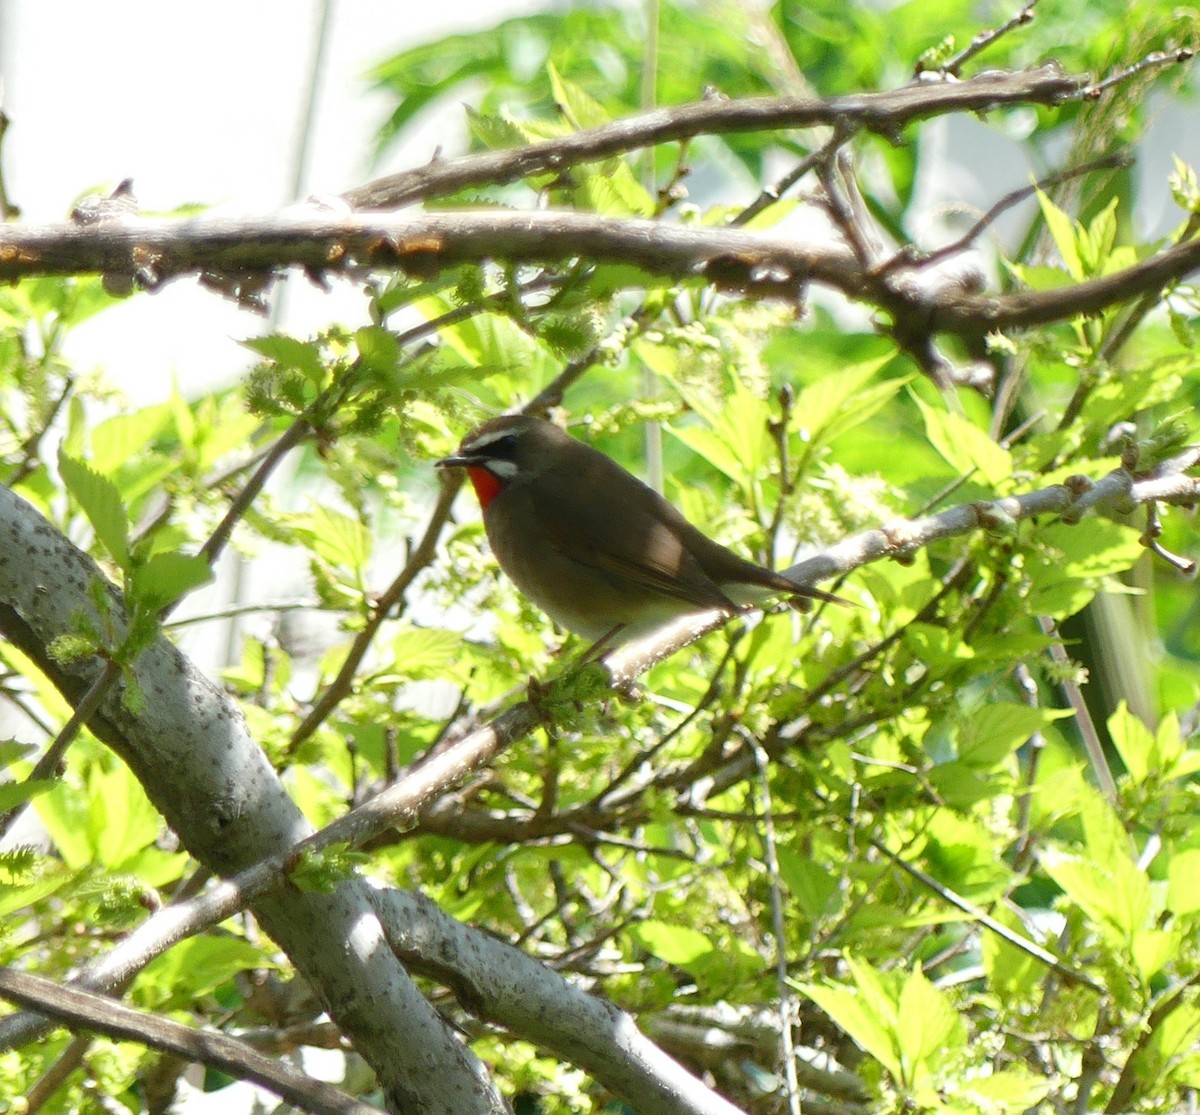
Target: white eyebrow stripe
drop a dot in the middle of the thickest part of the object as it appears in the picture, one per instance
(489, 438)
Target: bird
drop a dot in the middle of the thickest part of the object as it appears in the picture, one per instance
(601, 553)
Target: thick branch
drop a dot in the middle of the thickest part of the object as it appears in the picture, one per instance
(729, 259)
(190, 749)
(498, 982)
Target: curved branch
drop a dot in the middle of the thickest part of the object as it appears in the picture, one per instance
(885, 112)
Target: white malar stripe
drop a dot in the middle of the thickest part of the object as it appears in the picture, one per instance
(506, 470)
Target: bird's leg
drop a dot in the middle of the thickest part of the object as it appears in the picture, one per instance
(601, 646)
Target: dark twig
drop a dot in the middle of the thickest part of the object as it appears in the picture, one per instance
(1030, 948)
(291, 437)
(776, 190)
(47, 766)
(1115, 161)
(8, 211)
(421, 556)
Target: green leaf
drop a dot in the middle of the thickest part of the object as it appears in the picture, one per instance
(1134, 743)
(163, 578)
(339, 539)
(105, 823)
(931, 1028)
(1115, 895)
(99, 500)
(811, 884)
(12, 751)
(866, 1011)
(834, 404)
(193, 969)
(1010, 1091)
(580, 109)
(965, 447)
(1164, 755)
(120, 439)
(990, 734)
(13, 794)
(1183, 882)
(1065, 233)
(676, 944)
(290, 352)
(379, 349)
(420, 651)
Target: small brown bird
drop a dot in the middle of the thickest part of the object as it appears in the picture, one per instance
(601, 553)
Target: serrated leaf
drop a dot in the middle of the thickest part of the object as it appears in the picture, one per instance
(836, 403)
(497, 132)
(931, 1027)
(866, 1012)
(290, 352)
(423, 650)
(379, 349)
(1115, 895)
(339, 539)
(965, 447)
(992, 733)
(579, 108)
(99, 500)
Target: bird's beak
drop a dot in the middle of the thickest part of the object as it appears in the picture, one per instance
(453, 462)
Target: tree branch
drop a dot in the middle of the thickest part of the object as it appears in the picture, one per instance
(191, 750)
(885, 112)
(86, 1011)
(750, 263)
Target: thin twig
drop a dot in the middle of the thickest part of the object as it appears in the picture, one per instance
(288, 440)
(783, 987)
(1155, 60)
(338, 689)
(1030, 948)
(954, 64)
(1116, 161)
(885, 112)
(1083, 717)
(47, 766)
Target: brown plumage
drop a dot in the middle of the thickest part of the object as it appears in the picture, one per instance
(603, 554)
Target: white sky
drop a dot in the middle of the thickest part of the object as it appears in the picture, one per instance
(203, 104)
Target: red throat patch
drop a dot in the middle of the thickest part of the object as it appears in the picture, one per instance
(487, 485)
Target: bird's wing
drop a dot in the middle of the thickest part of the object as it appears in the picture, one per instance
(625, 534)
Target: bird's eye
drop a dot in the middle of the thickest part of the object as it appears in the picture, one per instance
(503, 447)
